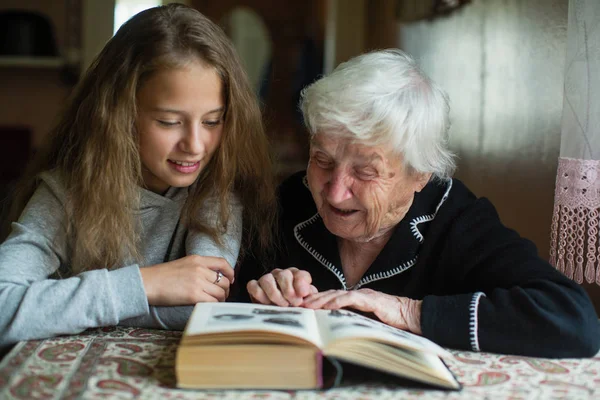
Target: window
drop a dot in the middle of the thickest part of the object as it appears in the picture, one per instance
(125, 9)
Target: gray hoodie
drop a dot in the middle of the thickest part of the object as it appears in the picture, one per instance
(36, 304)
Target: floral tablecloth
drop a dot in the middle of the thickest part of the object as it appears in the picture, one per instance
(139, 363)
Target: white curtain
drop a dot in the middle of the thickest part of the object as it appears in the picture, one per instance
(575, 244)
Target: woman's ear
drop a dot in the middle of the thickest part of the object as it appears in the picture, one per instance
(421, 180)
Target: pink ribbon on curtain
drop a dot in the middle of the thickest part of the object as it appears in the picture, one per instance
(574, 236)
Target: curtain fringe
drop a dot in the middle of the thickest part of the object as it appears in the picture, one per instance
(574, 240)
(574, 243)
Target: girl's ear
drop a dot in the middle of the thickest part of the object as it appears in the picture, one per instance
(421, 180)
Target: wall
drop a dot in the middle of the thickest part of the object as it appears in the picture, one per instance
(355, 26)
(97, 22)
(32, 96)
(502, 64)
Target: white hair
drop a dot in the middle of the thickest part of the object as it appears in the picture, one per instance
(383, 97)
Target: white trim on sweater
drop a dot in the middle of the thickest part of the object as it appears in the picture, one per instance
(326, 263)
(377, 276)
(430, 217)
(474, 321)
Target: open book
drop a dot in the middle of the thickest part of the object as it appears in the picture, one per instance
(243, 346)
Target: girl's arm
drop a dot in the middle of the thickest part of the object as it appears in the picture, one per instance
(203, 245)
(35, 306)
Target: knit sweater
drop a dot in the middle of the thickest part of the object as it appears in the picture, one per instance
(484, 288)
(40, 294)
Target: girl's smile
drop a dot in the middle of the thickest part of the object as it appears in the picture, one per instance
(185, 167)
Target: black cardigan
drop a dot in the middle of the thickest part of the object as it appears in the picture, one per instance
(483, 287)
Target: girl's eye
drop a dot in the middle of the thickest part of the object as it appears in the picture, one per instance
(167, 123)
(213, 123)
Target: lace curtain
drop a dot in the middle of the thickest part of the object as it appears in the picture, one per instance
(574, 241)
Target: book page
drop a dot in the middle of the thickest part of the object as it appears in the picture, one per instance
(344, 324)
(210, 318)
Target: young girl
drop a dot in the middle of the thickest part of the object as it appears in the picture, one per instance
(133, 211)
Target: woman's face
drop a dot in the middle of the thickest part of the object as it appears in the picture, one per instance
(179, 123)
(361, 191)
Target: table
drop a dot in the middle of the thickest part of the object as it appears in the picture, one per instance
(126, 363)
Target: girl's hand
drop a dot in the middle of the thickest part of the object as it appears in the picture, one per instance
(187, 281)
(400, 312)
(287, 287)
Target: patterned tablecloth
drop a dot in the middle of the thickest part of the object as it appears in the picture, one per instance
(139, 363)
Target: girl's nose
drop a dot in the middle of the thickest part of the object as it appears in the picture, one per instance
(191, 141)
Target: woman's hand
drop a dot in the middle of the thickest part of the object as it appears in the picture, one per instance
(186, 281)
(400, 312)
(284, 288)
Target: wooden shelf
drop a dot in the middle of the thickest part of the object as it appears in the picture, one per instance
(31, 62)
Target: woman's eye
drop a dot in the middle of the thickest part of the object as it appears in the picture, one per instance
(323, 163)
(366, 174)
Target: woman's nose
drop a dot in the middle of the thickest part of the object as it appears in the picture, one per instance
(338, 187)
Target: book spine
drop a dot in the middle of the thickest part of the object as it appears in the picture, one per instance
(319, 362)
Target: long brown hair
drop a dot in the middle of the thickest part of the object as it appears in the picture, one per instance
(94, 146)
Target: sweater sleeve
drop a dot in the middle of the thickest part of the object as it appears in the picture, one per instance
(34, 306)
(511, 300)
(203, 245)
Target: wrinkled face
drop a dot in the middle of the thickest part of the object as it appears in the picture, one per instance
(179, 124)
(361, 192)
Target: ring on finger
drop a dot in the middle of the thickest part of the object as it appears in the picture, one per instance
(219, 276)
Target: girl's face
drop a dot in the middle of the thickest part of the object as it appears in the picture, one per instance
(179, 123)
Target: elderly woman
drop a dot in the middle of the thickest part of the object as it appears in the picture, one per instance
(377, 224)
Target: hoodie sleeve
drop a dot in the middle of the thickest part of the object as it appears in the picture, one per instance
(203, 245)
(35, 306)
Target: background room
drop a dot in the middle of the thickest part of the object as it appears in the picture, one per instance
(501, 61)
